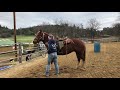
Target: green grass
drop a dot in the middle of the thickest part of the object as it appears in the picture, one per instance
(28, 39)
(6, 42)
(19, 38)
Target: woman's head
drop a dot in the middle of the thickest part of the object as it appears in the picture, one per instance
(50, 36)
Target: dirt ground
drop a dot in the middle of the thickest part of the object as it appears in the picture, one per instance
(105, 64)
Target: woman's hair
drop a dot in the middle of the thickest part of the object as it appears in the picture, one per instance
(51, 36)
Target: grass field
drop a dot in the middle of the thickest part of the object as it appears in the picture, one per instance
(19, 38)
(105, 64)
(28, 39)
(6, 42)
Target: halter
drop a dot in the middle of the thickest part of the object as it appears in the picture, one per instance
(41, 38)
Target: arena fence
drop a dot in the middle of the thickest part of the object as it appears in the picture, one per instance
(24, 52)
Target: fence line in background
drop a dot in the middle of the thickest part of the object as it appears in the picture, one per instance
(19, 51)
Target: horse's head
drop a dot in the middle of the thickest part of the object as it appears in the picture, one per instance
(40, 36)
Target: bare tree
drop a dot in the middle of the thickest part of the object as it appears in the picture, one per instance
(56, 21)
(80, 25)
(93, 24)
(45, 23)
(60, 22)
(116, 29)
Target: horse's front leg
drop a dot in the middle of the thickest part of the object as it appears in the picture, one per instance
(78, 59)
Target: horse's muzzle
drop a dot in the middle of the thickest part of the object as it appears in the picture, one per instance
(35, 42)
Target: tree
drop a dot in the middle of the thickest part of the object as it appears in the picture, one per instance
(81, 26)
(116, 29)
(93, 26)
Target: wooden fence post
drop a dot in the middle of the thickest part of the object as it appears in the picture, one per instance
(20, 53)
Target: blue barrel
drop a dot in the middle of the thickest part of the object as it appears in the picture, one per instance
(96, 47)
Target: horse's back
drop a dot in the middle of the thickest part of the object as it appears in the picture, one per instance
(79, 43)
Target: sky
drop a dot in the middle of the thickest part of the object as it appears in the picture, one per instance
(27, 19)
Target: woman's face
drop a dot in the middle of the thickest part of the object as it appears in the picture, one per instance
(49, 37)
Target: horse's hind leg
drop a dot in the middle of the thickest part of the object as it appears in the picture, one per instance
(83, 60)
(83, 64)
(78, 57)
(78, 64)
(81, 56)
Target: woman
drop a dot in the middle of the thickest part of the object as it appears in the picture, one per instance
(52, 55)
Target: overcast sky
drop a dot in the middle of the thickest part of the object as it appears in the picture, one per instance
(26, 19)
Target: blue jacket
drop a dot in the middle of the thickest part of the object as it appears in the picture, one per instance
(52, 46)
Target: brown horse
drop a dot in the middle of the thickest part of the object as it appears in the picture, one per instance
(70, 45)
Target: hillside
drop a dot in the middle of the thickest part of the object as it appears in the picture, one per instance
(61, 31)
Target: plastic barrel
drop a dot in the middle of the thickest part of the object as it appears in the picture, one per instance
(96, 47)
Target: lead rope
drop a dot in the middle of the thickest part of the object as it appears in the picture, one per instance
(66, 49)
(43, 36)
